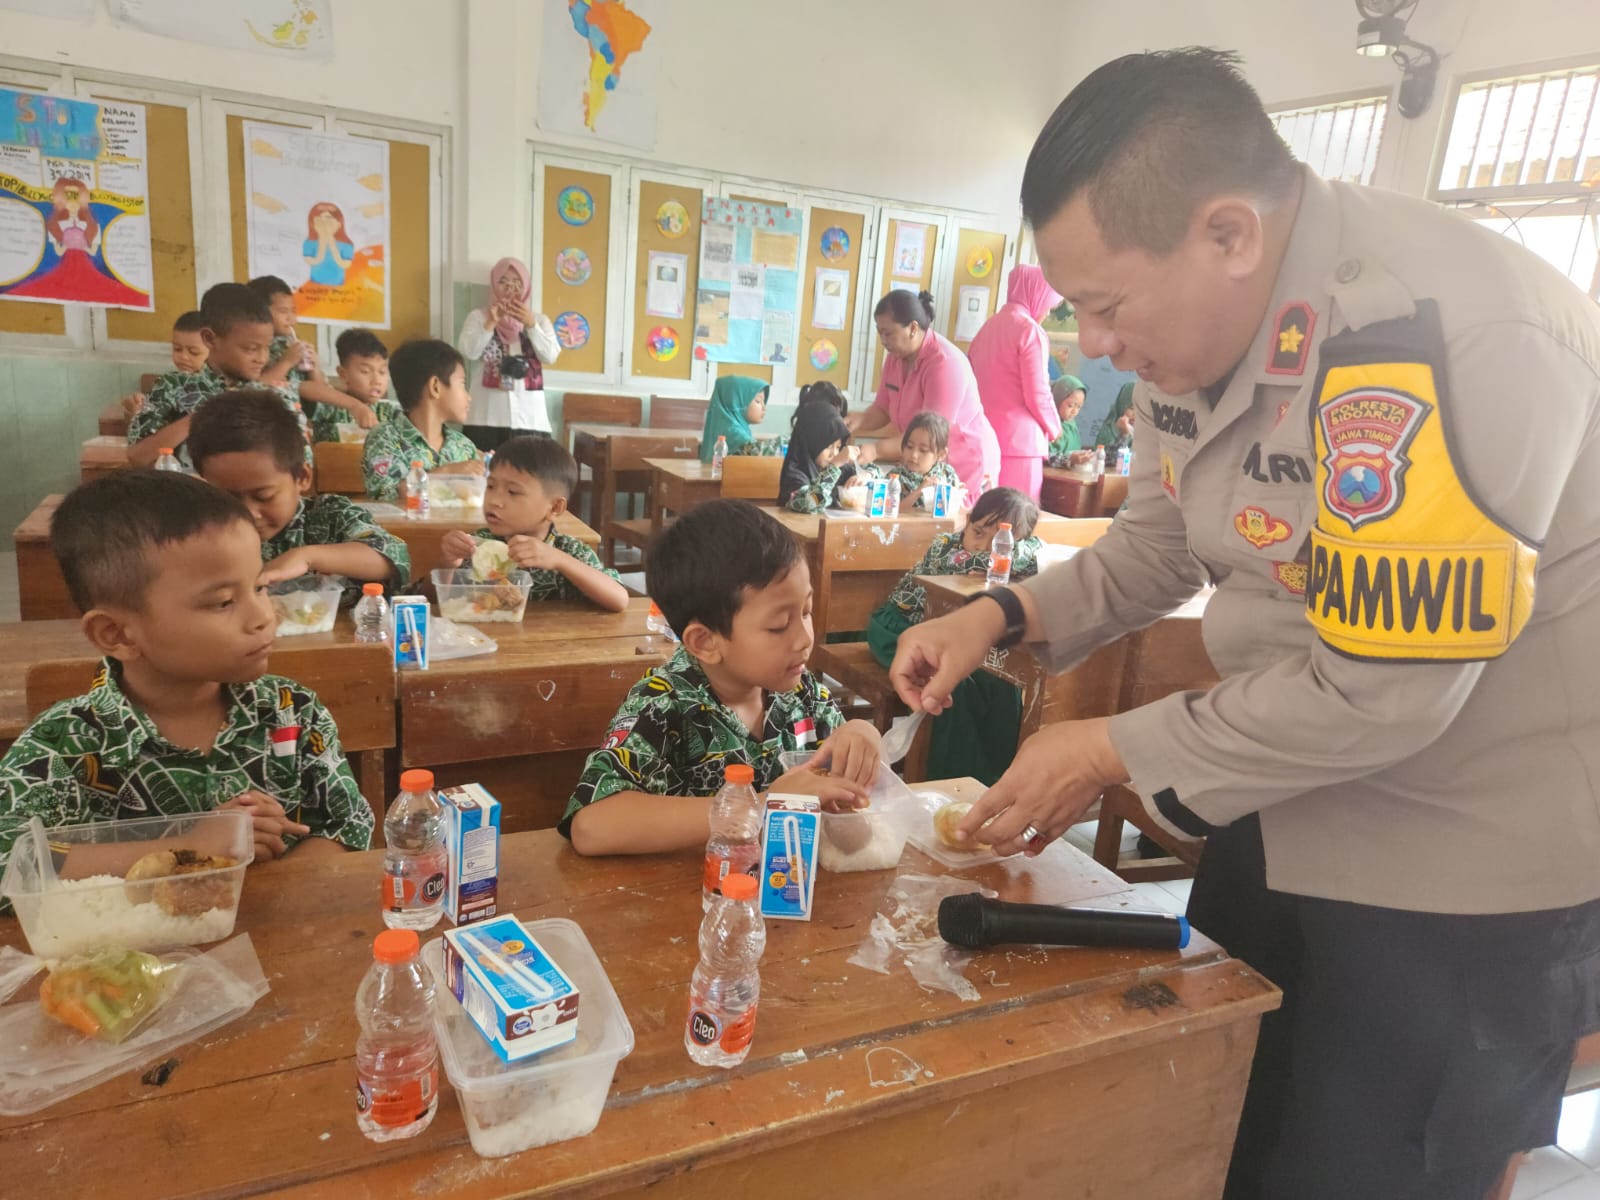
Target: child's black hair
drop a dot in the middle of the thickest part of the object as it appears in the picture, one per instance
(418, 361)
(269, 287)
(932, 424)
(228, 304)
(817, 425)
(360, 343)
(193, 321)
(244, 420)
(104, 533)
(824, 391)
(1009, 507)
(701, 564)
(542, 457)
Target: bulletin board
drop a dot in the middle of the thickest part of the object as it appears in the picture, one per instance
(410, 225)
(826, 250)
(668, 223)
(979, 263)
(761, 371)
(887, 277)
(577, 229)
(171, 229)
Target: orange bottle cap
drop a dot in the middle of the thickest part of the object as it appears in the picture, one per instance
(372, 589)
(416, 781)
(734, 887)
(739, 773)
(166, 450)
(399, 945)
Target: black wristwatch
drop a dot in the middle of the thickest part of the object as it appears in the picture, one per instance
(1016, 619)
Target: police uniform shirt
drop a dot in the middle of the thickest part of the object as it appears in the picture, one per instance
(1411, 697)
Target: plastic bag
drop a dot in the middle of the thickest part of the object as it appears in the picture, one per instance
(43, 1062)
(107, 994)
(906, 930)
(869, 839)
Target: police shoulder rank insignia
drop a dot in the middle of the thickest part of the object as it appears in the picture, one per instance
(1260, 528)
(1169, 475)
(1366, 433)
(1291, 339)
(1292, 575)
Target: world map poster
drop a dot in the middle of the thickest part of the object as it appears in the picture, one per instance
(599, 63)
(74, 215)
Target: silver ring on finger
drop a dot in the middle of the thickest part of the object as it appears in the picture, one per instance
(1031, 832)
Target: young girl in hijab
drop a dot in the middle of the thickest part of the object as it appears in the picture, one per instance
(819, 461)
(737, 403)
(1067, 450)
(514, 344)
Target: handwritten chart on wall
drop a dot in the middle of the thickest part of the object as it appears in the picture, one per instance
(319, 219)
(74, 207)
(749, 283)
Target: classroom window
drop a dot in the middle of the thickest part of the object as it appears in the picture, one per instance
(1338, 141)
(1523, 158)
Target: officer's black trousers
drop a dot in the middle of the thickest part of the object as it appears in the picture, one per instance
(1414, 1052)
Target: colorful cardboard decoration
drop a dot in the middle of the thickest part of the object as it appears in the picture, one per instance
(575, 205)
(835, 243)
(824, 355)
(980, 262)
(573, 267)
(664, 343)
(672, 219)
(572, 330)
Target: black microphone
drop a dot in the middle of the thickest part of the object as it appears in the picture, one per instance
(974, 921)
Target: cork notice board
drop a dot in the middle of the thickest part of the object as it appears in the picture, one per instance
(669, 223)
(888, 278)
(979, 261)
(171, 229)
(812, 348)
(574, 261)
(410, 233)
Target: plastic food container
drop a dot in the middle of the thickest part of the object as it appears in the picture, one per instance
(510, 1107)
(61, 917)
(456, 491)
(464, 599)
(309, 604)
(351, 434)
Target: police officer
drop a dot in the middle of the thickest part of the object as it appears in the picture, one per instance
(1397, 776)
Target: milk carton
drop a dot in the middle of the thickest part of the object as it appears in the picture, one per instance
(520, 1000)
(788, 875)
(472, 842)
(410, 639)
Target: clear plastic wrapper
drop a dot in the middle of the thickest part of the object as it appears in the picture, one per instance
(43, 1062)
(447, 640)
(905, 931)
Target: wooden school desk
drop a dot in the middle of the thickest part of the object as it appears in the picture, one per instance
(101, 456)
(1077, 1071)
(615, 456)
(338, 468)
(113, 422)
(677, 485)
(21, 645)
(422, 538)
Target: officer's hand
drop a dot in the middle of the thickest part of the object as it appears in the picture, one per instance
(1057, 774)
(935, 656)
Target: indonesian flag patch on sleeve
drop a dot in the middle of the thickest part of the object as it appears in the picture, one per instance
(805, 731)
(285, 740)
(619, 734)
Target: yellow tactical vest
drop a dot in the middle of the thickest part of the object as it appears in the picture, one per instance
(1406, 563)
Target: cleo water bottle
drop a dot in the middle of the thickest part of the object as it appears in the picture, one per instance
(414, 855)
(1000, 557)
(397, 1054)
(727, 982)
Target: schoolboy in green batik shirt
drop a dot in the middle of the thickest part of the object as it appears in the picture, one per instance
(246, 444)
(181, 719)
(430, 380)
(529, 484)
(732, 583)
(238, 334)
(293, 366)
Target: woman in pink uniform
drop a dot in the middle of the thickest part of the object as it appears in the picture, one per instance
(1010, 357)
(922, 370)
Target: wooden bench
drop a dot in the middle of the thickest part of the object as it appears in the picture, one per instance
(338, 468)
(113, 422)
(1066, 495)
(616, 454)
(354, 681)
(668, 412)
(751, 477)
(595, 408)
(101, 456)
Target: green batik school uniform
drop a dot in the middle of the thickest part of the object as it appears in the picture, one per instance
(819, 494)
(1069, 442)
(394, 445)
(550, 584)
(330, 521)
(99, 758)
(177, 394)
(673, 737)
(978, 735)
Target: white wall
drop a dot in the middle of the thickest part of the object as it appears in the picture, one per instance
(1298, 50)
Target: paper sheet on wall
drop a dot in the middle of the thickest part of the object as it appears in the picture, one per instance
(67, 10)
(291, 28)
(910, 245)
(668, 278)
(972, 310)
(830, 298)
(74, 209)
(777, 337)
(318, 217)
(745, 305)
(598, 70)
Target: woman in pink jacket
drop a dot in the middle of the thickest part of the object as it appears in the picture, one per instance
(1010, 357)
(922, 370)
